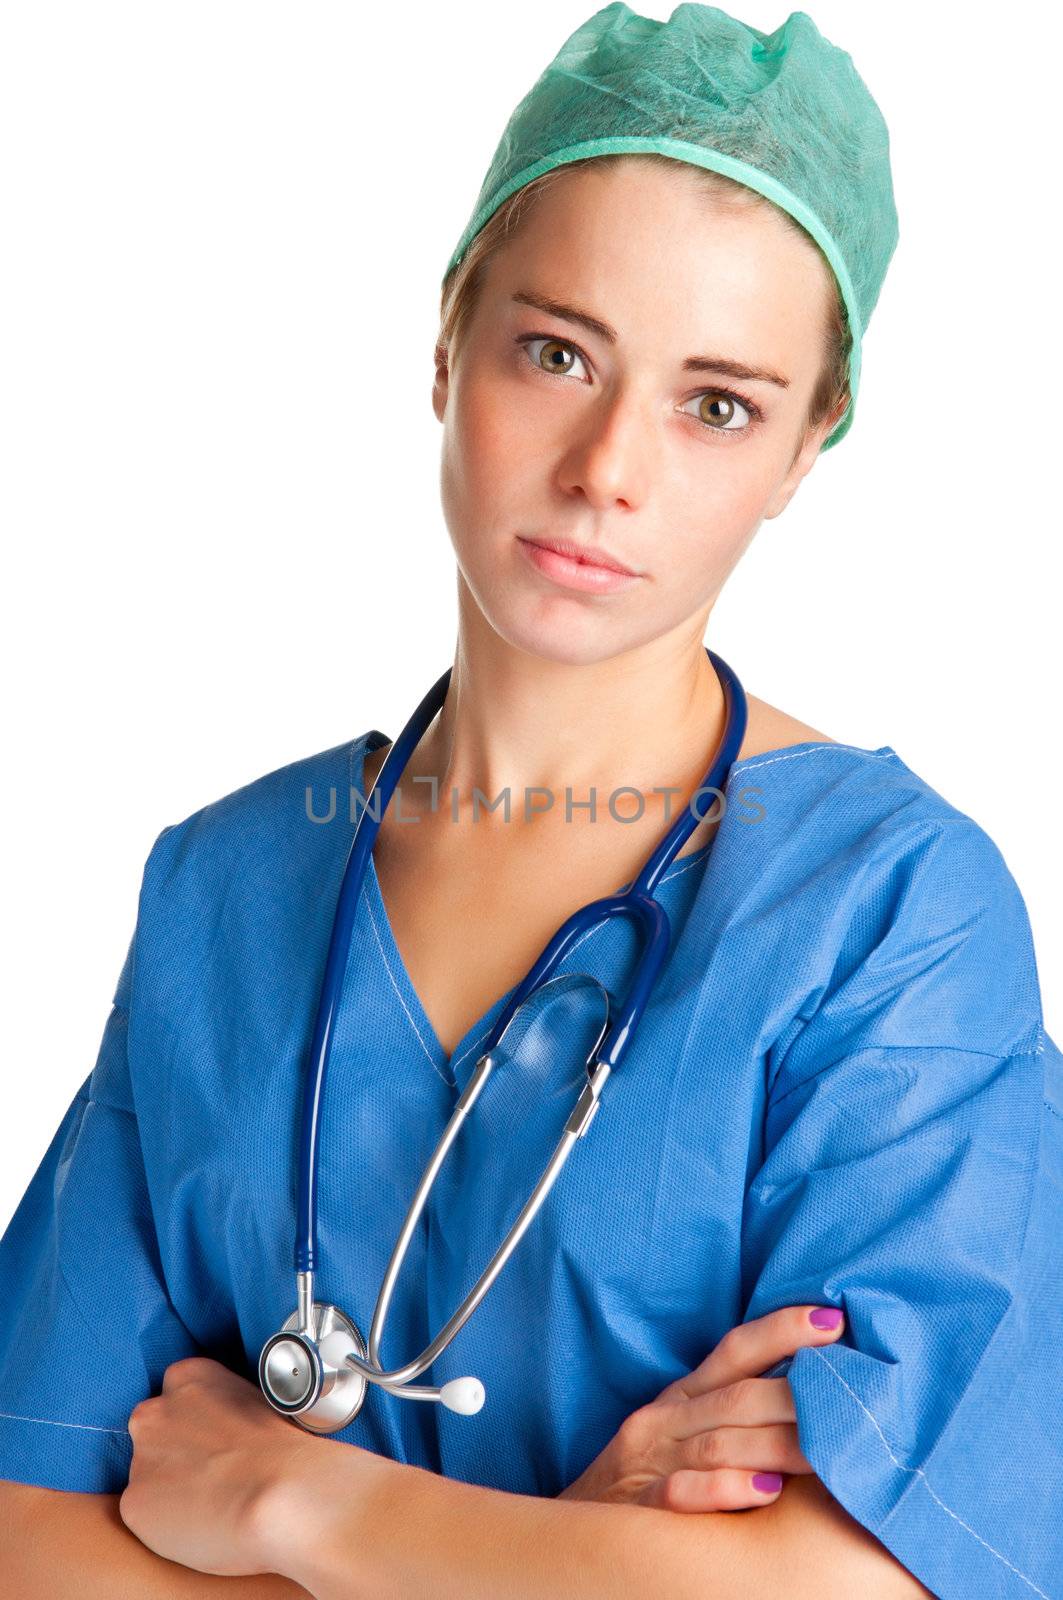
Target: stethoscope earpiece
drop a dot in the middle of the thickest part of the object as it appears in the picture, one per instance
(464, 1395)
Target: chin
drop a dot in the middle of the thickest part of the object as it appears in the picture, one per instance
(554, 634)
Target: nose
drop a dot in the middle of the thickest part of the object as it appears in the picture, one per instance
(610, 458)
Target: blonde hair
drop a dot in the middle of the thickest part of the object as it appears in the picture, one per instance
(461, 287)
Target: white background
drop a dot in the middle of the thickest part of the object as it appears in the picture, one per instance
(225, 226)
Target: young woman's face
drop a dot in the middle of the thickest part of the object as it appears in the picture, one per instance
(606, 436)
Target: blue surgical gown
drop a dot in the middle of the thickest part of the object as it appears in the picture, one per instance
(841, 1093)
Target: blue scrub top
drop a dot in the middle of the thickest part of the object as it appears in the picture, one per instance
(841, 1093)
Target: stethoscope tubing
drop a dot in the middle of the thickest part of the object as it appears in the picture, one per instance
(636, 902)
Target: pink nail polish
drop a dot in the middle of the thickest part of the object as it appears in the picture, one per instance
(767, 1482)
(825, 1317)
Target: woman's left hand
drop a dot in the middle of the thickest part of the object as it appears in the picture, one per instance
(210, 1457)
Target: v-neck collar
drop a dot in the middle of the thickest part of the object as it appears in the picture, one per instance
(456, 1069)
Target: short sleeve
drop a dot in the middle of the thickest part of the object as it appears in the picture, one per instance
(88, 1328)
(911, 1176)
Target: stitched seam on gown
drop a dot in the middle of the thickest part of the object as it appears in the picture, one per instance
(686, 866)
(673, 872)
(47, 1422)
(581, 940)
(355, 743)
(451, 1083)
(1054, 1110)
(401, 997)
(926, 1483)
(819, 749)
(108, 1105)
(876, 1050)
(412, 1020)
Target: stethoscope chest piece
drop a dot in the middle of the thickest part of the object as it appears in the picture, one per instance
(309, 1378)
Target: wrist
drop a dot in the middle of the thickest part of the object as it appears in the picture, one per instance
(314, 1523)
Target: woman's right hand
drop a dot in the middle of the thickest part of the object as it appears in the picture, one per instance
(698, 1445)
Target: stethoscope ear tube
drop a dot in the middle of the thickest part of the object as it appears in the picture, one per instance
(316, 1368)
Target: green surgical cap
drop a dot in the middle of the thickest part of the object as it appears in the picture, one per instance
(785, 113)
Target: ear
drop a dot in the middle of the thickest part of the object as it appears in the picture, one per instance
(440, 388)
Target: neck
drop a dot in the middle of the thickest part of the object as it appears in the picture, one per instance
(649, 719)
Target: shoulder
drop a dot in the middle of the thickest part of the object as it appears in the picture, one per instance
(931, 939)
(886, 899)
(291, 813)
(819, 794)
(841, 793)
(243, 886)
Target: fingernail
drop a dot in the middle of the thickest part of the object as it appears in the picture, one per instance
(767, 1482)
(825, 1317)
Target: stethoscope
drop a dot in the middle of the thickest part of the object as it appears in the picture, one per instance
(315, 1369)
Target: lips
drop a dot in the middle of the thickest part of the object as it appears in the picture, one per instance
(586, 555)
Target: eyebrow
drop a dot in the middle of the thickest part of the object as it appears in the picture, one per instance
(715, 363)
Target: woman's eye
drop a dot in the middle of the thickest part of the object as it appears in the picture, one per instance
(554, 355)
(721, 411)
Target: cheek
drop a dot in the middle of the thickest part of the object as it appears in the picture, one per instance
(490, 478)
(715, 516)
(487, 438)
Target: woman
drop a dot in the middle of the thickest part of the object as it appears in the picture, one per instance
(841, 1096)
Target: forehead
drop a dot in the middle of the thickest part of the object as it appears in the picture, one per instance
(655, 254)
